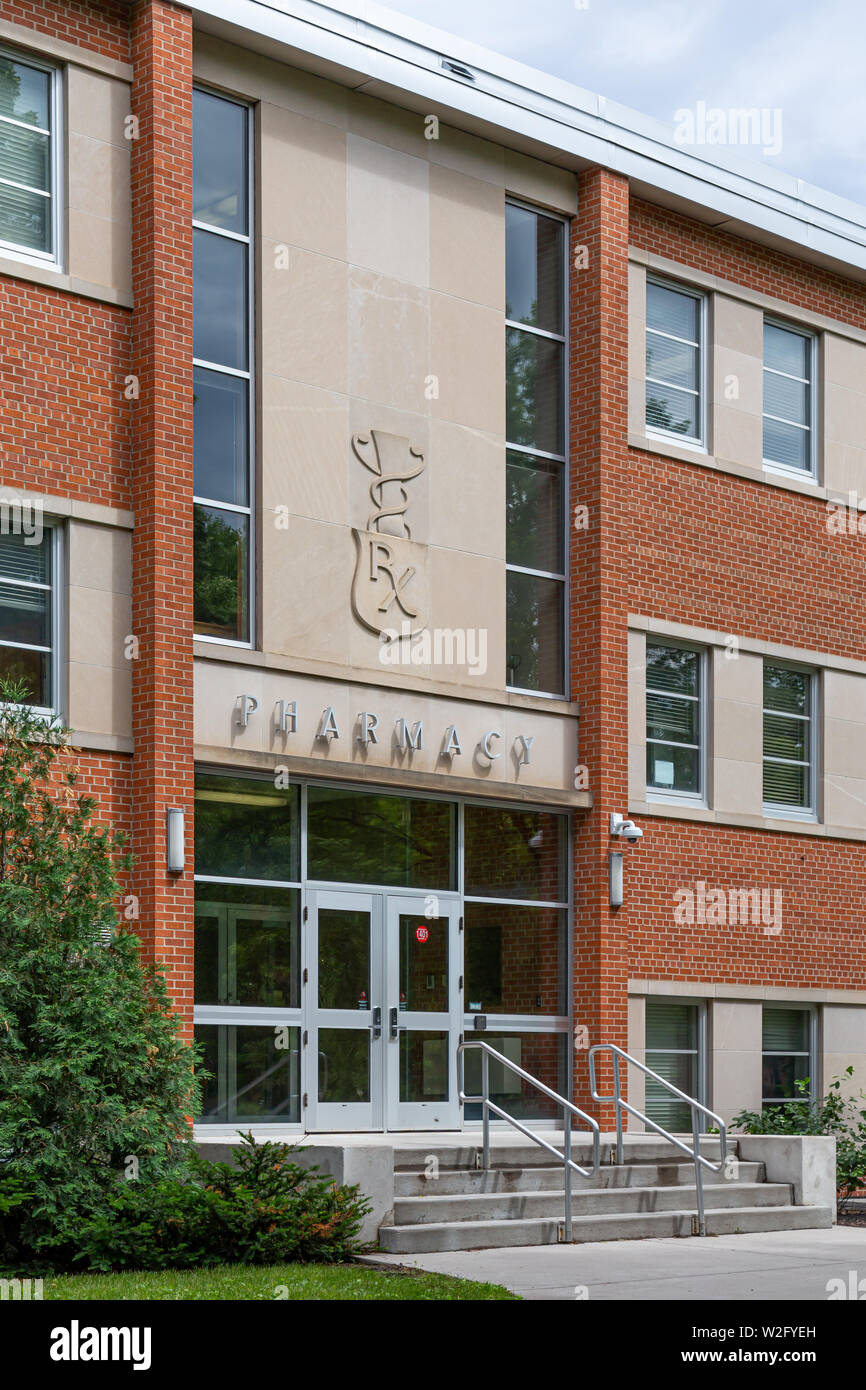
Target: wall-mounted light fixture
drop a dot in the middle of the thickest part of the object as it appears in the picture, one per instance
(174, 841)
(614, 861)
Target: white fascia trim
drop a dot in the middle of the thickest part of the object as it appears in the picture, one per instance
(367, 46)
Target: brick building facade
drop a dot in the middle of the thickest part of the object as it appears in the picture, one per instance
(406, 372)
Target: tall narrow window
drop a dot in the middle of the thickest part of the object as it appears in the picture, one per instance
(674, 720)
(28, 615)
(673, 1051)
(222, 387)
(788, 740)
(535, 458)
(788, 1054)
(28, 152)
(788, 433)
(674, 361)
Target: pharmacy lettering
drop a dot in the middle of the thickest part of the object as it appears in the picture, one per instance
(389, 587)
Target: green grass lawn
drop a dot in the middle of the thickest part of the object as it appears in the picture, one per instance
(269, 1283)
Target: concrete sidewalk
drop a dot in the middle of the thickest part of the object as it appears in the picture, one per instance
(796, 1265)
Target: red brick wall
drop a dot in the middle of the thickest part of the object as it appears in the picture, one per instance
(161, 472)
(101, 25)
(680, 542)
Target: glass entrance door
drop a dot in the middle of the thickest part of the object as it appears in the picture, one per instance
(343, 1045)
(383, 1013)
(425, 1007)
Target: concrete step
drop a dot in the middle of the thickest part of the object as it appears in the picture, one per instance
(522, 1179)
(516, 1206)
(636, 1149)
(486, 1235)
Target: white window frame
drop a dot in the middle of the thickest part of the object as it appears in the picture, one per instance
(780, 810)
(53, 534)
(811, 472)
(250, 510)
(562, 459)
(12, 249)
(698, 798)
(812, 1054)
(698, 441)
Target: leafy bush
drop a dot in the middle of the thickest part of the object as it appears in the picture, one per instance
(266, 1210)
(834, 1115)
(93, 1070)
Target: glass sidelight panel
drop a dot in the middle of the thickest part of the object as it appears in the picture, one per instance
(515, 958)
(423, 1066)
(543, 1055)
(511, 853)
(254, 1073)
(344, 1065)
(247, 946)
(344, 959)
(246, 827)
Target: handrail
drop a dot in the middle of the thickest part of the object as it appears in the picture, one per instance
(701, 1160)
(487, 1105)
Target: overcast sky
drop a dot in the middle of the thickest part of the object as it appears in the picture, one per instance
(807, 60)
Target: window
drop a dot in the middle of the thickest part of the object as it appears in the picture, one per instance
(29, 151)
(788, 741)
(674, 720)
(788, 1054)
(675, 397)
(788, 373)
(675, 1050)
(222, 376)
(535, 459)
(29, 625)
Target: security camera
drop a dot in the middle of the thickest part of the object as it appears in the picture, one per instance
(625, 829)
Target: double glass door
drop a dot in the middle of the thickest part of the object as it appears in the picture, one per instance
(383, 1009)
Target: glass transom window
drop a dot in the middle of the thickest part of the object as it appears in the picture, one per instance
(788, 433)
(674, 361)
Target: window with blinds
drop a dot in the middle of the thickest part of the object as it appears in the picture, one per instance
(788, 371)
(674, 720)
(673, 1051)
(27, 645)
(674, 361)
(788, 1054)
(788, 740)
(28, 103)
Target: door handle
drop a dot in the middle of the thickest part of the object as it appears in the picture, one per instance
(395, 1027)
(376, 1025)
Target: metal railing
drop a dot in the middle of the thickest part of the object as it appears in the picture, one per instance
(701, 1161)
(488, 1105)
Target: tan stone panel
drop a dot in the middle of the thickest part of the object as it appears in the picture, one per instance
(365, 498)
(468, 591)
(304, 318)
(99, 178)
(545, 184)
(844, 748)
(836, 1064)
(637, 687)
(466, 476)
(844, 362)
(100, 698)
(386, 124)
(636, 773)
(737, 787)
(737, 436)
(97, 106)
(637, 326)
(253, 76)
(736, 1083)
(739, 678)
(738, 728)
(736, 1026)
(99, 557)
(846, 416)
(467, 154)
(306, 577)
(388, 211)
(216, 691)
(304, 449)
(737, 381)
(844, 801)
(99, 623)
(845, 696)
(467, 355)
(389, 341)
(844, 1029)
(738, 326)
(99, 251)
(302, 196)
(845, 468)
(467, 237)
(552, 754)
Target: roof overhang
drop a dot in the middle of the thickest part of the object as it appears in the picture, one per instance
(389, 56)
